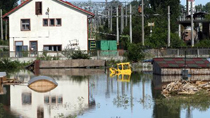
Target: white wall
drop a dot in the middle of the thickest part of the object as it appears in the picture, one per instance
(74, 25)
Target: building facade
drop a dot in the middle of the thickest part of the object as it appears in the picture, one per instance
(51, 25)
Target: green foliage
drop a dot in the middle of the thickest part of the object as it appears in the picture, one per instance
(199, 101)
(159, 39)
(78, 54)
(135, 52)
(8, 65)
(2, 42)
(8, 5)
(203, 43)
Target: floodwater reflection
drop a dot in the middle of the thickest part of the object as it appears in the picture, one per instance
(96, 95)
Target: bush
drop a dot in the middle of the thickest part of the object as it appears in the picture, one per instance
(79, 55)
(135, 52)
(203, 43)
(2, 42)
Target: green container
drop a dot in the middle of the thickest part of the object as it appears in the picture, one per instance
(107, 45)
(112, 45)
(104, 45)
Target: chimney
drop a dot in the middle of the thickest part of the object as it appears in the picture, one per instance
(23, 1)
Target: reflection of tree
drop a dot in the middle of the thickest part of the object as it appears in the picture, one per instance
(80, 79)
(163, 111)
(146, 101)
(122, 101)
(4, 113)
(198, 101)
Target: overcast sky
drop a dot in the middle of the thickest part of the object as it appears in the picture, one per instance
(183, 2)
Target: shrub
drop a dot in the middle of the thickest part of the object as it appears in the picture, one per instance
(79, 55)
(135, 52)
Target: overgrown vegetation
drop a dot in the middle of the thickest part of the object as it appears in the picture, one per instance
(8, 65)
(2, 42)
(203, 43)
(78, 54)
(198, 101)
(135, 52)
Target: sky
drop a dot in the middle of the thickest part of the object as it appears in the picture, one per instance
(183, 2)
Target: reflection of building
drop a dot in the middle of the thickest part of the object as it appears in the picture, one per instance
(68, 98)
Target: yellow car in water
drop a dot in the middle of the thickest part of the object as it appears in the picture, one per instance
(122, 68)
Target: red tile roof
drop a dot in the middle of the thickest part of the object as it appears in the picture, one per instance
(64, 2)
(179, 62)
(73, 6)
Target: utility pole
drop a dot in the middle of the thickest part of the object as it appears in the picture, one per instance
(6, 30)
(108, 17)
(142, 4)
(1, 25)
(122, 20)
(126, 14)
(192, 31)
(117, 25)
(130, 23)
(169, 28)
(111, 20)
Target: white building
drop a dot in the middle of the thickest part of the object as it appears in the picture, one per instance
(37, 25)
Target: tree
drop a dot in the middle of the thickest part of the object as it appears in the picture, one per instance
(7, 5)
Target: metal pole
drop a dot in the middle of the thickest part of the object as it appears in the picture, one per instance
(169, 28)
(180, 29)
(111, 20)
(122, 20)
(126, 13)
(108, 17)
(117, 25)
(1, 25)
(192, 38)
(142, 4)
(130, 23)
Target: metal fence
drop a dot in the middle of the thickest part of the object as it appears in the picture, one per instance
(61, 54)
(192, 52)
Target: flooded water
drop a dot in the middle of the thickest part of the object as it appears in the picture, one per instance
(94, 95)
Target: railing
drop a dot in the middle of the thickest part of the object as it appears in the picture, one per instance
(192, 52)
(62, 54)
(98, 54)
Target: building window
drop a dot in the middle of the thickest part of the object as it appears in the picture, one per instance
(52, 22)
(52, 47)
(38, 8)
(45, 22)
(58, 22)
(26, 98)
(25, 24)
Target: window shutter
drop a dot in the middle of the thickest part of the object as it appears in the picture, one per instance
(36, 8)
(40, 6)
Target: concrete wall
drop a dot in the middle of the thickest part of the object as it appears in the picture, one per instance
(74, 26)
